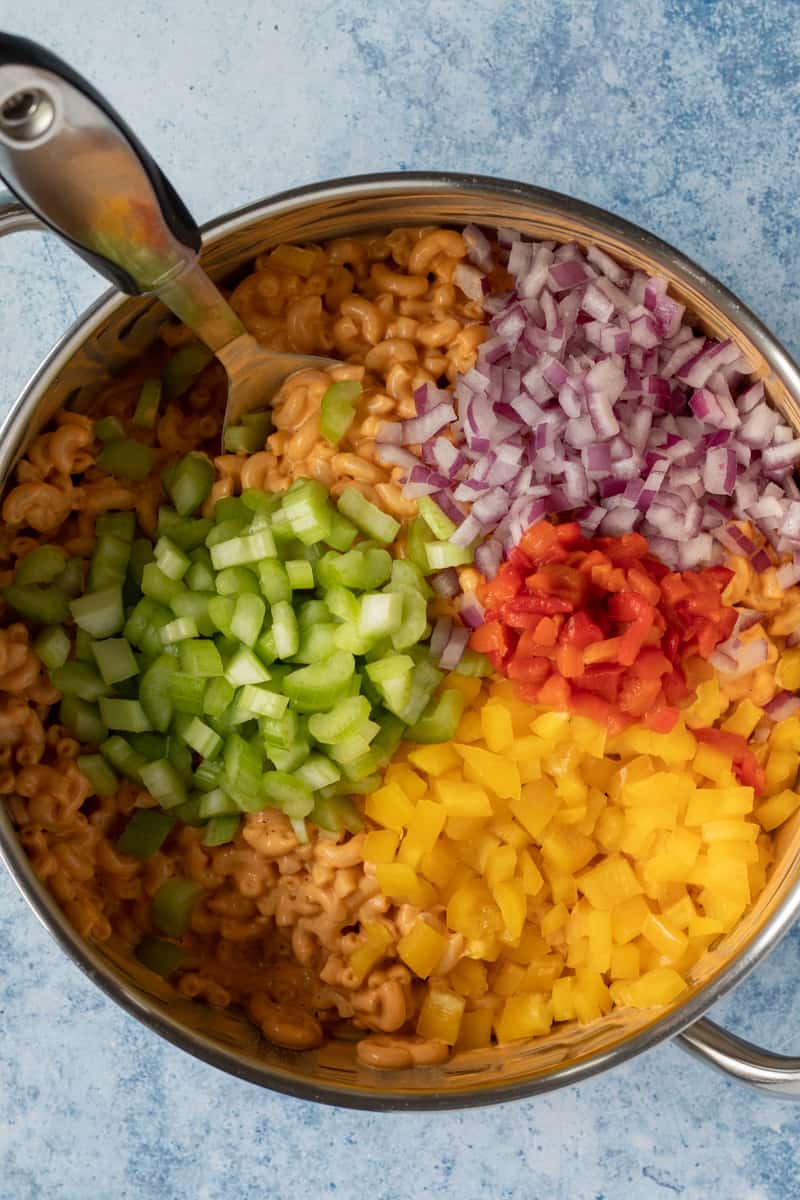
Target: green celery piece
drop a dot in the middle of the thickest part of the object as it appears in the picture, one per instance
(338, 408)
(308, 511)
(320, 685)
(172, 906)
(121, 755)
(83, 720)
(437, 521)
(70, 581)
(108, 429)
(103, 780)
(154, 692)
(195, 606)
(182, 367)
(190, 483)
(120, 524)
(439, 720)
(414, 620)
(141, 555)
(53, 646)
(221, 830)
(42, 604)
(126, 459)
(418, 538)
(115, 660)
(370, 519)
(42, 565)
(236, 581)
(474, 664)
(81, 679)
(230, 508)
(274, 581)
(146, 413)
(335, 813)
(289, 793)
(163, 958)
(316, 642)
(145, 833)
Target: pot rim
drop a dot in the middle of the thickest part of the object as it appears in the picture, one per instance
(87, 956)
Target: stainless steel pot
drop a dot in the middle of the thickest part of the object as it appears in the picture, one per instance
(113, 333)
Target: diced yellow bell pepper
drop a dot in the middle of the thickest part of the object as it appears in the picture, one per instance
(464, 830)
(380, 845)
(470, 728)
(681, 913)
(440, 1015)
(712, 764)
(511, 832)
(496, 772)
(554, 920)
(781, 770)
(552, 727)
(707, 706)
(567, 849)
(625, 962)
(475, 1030)
(531, 945)
(708, 804)
(462, 799)
(729, 830)
(563, 888)
(677, 746)
(628, 918)
(527, 1015)
(468, 978)
(610, 828)
(609, 883)
(735, 851)
(542, 973)
(389, 806)
(501, 864)
(377, 940)
(590, 737)
(535, 807)
(599, 957)
(426, 823)
(532, 878)
(786, 734)
(510, 898)
(787, 672)
(472, 911)
(743, 719)
(655, 988)
(668, 940)
(661, 787)
(421, 948)
(409, 781)
(777, 809)
(434, 760)
(508, 978)
(439, 863)
(401, 883)
(573, 791)
(467, 685)
(529, 747)
(704, 927)
(498, 731)
(562, 1001)
(591, 997)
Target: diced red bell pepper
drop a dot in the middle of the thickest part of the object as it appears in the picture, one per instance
(580, 630)
(638, 695)
(492, 638)
(663, 720)
(746, 766)
(555, 693)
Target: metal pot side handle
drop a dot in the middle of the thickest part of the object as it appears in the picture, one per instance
(14, 218)
(776, 1074)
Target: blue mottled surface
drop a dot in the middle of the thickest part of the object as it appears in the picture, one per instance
(680, 115)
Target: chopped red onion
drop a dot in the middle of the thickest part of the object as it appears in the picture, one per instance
(445, 583)
(453, 652)
(784, 705)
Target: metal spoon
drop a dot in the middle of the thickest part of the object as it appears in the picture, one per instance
(70, 158)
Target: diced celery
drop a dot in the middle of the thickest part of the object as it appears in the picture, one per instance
(318, 772)
(115, 659)
(187, 532)
(145, 614)
(128, 716)
(259, 501)
(380, 613)
(195, 606)
(221, 830)
(284, 630)
(274, 581)
(121, 525)
(232, 508)
(109, 564)
(248, 618)
(289, 793)
(414, 620)
(82, 720)
(70, 581)
(343, 604)
(217, 803)
(189, 812)
(53, 646)
(145, 833)
(100, 613)
(261, 701)
(418, 538)
(190, 483)
(155, 696)
(179, 630)
(200, 577)
(316, 642)
(426, 678)
(341, 722)
(406, 574)
(441, 555)
(439, 720)
(187, 693)
(225, 531)
(236, 581)
(200, 657)
(239, 551)
(172, 561)
(218, 697)
(163, 783)
(243, 765)
(208, 776)
(337, 409)
(474, 664)
(202, 738)
(43, 604)
(283, 730)
(146, 413)
(158, 586)
(288, 758)
(438, 522)
(300, 574)
(221, 610)
(367, 516)
(362, 570)
(150, 745)
(102, 779)
(108, 429)
(308, 511)
(42, 565)
(244, 667)
(126, 459)
(160, 957)
(335, 813)
(342, 532)
(121, 755)
(183, 366)
(141, 555)
(320, 685)
(172, 905)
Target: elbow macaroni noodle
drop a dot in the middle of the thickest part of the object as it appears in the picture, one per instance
(277, 921)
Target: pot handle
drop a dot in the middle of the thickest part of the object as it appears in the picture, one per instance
(71, 159)
(776, 1074)
(14, 217)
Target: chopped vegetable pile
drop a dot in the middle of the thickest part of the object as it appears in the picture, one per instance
(599, 626)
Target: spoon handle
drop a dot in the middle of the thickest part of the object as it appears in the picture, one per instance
(71, 159)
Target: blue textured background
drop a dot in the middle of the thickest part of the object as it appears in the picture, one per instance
(680, 115)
